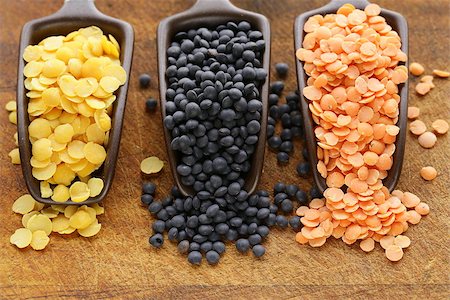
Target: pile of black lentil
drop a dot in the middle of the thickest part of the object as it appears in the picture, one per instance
(213, 113)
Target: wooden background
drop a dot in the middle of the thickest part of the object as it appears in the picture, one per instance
(119, 263)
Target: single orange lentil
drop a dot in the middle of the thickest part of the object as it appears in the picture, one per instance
(317, 242)
(410, 200)
(422, 88)
(312, 93)
(372, 10)
(386, 241)
(417, 127)
(316, 203)
(413, 112)
(301, 211)
(422, 208)
(402, 241)
(428, 173)
(367, 245)
(414, 217)
(416, 69)
(440, 73)
(300, 238)
(394, 253)
(440, 126)
(427, 140)
(311, 214)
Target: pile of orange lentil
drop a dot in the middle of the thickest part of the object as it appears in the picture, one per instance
(353, 61)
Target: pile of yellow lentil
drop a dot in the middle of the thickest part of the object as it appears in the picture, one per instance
(353, 61)
(40, 220)
(71, 82)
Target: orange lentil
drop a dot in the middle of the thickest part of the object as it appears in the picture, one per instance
(402, 241)
(414, 217)
(416, 69)
(352, 59)
(428, 79)
(300, 238)
(386, 241)
(301, 211)
(428, 173)
(316, 203)
(417, 127)
(367, 245)
(422, 208)
(427, 140)
(423, 88)
(440, 73)
(440, 126)
(410, 200)
(394, 253)
(413, 112)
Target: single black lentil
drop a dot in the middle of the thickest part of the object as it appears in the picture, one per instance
(314, 192)
(295, 223)
(151, 104)
(144, 80)
(304, 169)
(149, 188)
(157, 240)
(146, 199)
(281, 69)
(258, 250)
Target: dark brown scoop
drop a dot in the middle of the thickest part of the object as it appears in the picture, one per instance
(398, 23)
(74, 14)
(209, 13)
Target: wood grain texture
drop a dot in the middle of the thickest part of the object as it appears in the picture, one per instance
(119, 263)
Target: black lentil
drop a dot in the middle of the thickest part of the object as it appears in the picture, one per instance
(242, 245)
(149, 188)
(213, 113)
(277, 87)
(144, 80)
(212, 257)
(283, 157)
(146, 199)
(314, 192)
(258, 250)
(295, 223)
(183, 247)
(151, 104)
(195, 257)
(156, 240)
(281, 69)
(301, 197)
(304, 169)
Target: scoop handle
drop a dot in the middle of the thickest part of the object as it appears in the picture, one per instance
(78, 8)
(356, 3)
(211, 5)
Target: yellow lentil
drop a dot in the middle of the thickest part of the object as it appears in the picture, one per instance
(151, 165)
(70, 81)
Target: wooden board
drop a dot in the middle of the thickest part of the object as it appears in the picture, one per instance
(119, 263)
